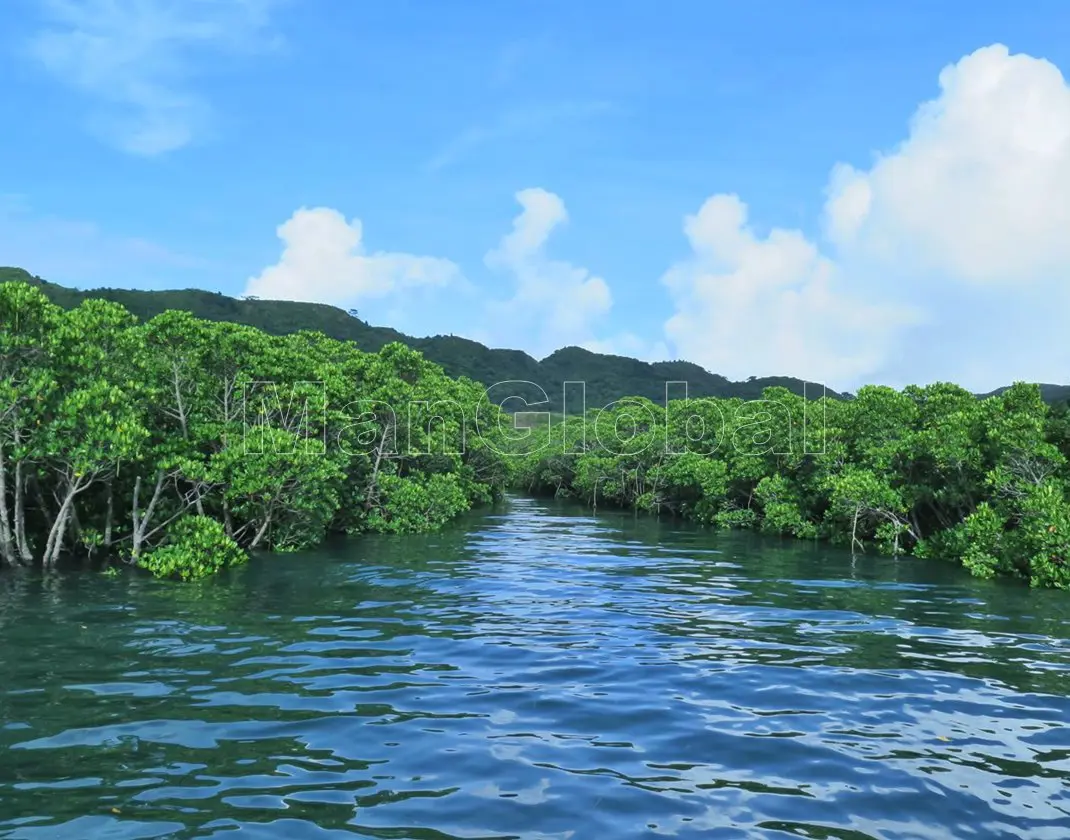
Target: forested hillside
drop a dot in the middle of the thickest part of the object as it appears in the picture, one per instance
(607, 377)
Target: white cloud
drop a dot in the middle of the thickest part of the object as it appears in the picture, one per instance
(324, 261)
(753, 306)
(554, 303)
(980, 190)
(136, 57)
(950, 254)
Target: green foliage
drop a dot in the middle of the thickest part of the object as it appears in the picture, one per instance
(933, 471)
(1042, 539)
(695, 486)
(114, 433)
(742, 518)
(608, 377)
(196, 547)
(782, 511)
(979, 542)
(412, 504)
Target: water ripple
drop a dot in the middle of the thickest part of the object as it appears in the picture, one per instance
(538, 673)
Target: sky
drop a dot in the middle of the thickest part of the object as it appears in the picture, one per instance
(849, 192)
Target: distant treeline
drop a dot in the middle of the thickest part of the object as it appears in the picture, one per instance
(929, 471)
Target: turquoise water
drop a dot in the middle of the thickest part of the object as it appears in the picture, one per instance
(537, 673)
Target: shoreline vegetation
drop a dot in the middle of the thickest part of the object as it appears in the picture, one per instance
(931, 472)
(178, 445)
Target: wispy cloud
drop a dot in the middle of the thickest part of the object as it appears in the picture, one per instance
(136, 59)
(512, 124)
(512, 58)
(80, 253)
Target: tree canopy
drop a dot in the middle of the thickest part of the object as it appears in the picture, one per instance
(179, 444)
(930, 471)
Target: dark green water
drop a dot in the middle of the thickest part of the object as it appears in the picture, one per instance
(538, 674)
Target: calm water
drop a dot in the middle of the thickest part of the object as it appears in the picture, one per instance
(537, 673)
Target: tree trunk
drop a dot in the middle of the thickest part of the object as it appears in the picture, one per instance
(54, 545)
(74, 528)
(23, 544)
(373, 482)
(7, 539)
(109, 514)
(184, 423)
(854, 530)
(42, 503)
(228, 520)
(915, 523)
(260, 534)
(135, 536)
(141, 523)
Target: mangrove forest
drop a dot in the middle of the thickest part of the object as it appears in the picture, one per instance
(179, 444)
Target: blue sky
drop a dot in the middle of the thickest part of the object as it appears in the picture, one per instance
(524, 172)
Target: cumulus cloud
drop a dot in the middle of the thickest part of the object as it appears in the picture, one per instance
(135, 59)
(979, 189)
(947, 257)
(554, 303)
(324, 261)
(748, 305)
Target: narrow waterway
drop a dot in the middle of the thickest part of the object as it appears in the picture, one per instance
(535, 672)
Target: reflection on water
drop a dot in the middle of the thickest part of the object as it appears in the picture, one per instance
(537, 673)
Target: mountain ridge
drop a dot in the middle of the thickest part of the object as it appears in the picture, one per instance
(607, 377)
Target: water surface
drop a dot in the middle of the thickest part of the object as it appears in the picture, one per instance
(537, 673)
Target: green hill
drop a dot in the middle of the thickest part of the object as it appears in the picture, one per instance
(607, 377)
(1049, 393)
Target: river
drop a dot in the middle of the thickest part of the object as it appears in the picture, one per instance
(537, 672)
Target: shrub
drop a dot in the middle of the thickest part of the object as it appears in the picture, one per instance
(196, 547)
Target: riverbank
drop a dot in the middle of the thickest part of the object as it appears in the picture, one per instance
(179, 444)
(931, 472)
